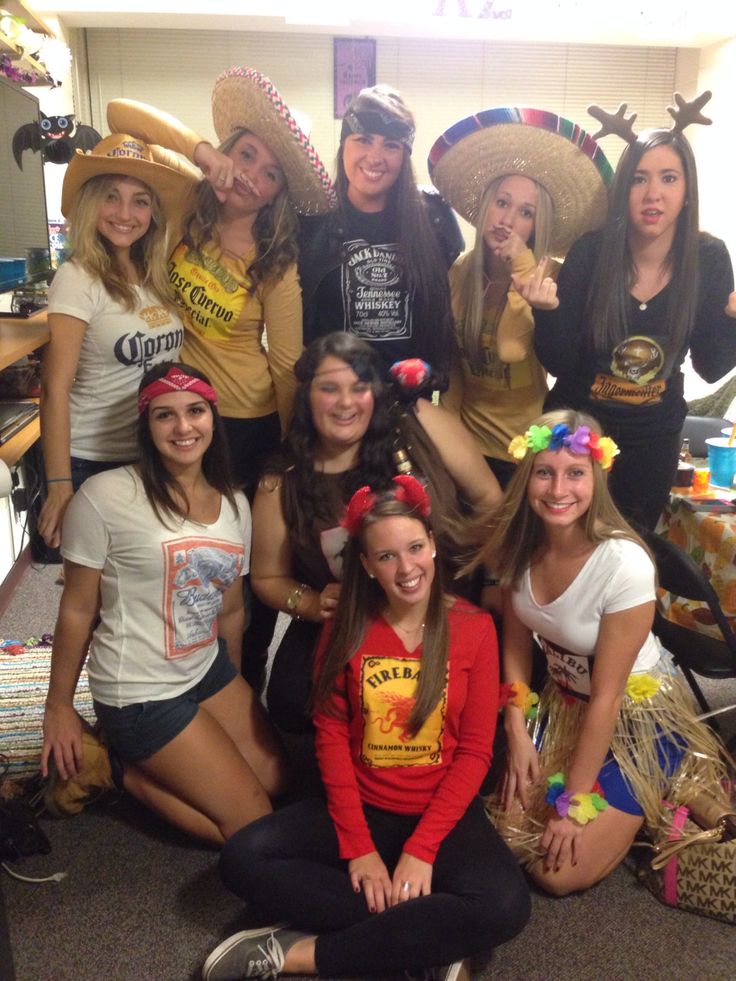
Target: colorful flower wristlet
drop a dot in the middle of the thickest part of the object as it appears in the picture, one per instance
(583, 440)
(580, 807)
(518, 693)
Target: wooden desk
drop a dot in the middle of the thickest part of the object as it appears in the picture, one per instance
(20, 336)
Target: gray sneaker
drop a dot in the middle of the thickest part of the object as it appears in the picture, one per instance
(457, 971)
(255, 953)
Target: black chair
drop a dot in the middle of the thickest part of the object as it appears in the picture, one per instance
(694, 653)
(698, 428)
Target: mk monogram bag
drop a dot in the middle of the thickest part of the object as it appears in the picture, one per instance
(695, 868)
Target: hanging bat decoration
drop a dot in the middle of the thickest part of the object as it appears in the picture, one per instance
(55, 137)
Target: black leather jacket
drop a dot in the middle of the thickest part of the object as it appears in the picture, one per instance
(321, 240)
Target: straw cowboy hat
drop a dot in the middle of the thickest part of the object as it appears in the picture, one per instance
(551, 150)
(130, 157)
(243, 98)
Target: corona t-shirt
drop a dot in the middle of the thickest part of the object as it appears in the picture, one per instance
(118, 348)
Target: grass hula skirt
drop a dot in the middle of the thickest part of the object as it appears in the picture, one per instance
(657, 708)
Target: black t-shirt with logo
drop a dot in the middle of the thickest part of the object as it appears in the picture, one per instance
(639, 383)
(367, 294)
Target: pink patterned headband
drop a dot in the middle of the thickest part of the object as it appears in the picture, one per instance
(175, 380)
(409, 491)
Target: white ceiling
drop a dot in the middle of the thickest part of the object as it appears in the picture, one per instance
(650, 22)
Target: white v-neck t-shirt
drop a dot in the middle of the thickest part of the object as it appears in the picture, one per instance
(618, 575)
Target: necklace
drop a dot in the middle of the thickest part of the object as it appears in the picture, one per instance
(406, 630)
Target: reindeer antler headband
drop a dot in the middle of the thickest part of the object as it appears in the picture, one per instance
(616, 123)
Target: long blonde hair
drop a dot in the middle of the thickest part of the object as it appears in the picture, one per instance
(473, 276)
(274, 230)
(514, 534)
(95, 254)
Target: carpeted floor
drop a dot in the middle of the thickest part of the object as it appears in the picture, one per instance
(141, 903)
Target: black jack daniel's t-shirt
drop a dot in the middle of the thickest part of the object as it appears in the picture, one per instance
(367, 294)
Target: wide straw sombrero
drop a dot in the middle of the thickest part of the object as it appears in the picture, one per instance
(554, 151)
(130, 157)
(243, 98)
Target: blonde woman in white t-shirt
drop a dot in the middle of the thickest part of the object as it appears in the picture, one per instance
(153, 557)
(111, 314)
(614, 731)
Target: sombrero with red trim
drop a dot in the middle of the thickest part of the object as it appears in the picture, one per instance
(553, 151)
(244, 98)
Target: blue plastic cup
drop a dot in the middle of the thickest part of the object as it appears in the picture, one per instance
(721, 461)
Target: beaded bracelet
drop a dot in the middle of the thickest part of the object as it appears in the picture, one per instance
(518, 693)
(580, 807)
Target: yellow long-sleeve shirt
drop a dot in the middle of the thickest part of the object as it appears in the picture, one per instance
(497, 399)
(224, 323)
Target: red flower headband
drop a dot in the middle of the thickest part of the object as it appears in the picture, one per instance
(409, 490)
(175, 380)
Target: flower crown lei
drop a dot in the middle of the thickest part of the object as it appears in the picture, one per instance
(538, 438)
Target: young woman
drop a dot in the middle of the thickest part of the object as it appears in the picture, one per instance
(399, 868)
(111, 314)
(234, 267)
(630, 302)
(348, 429)
(615, 732)
(153, 559)
(531, 183)
(377, 266)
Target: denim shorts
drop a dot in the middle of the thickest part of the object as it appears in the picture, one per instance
(141, 729)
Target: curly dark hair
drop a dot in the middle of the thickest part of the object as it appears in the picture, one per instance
(375, 462)
(393, 426)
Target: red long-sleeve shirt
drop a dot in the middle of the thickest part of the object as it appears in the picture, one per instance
(367, 756)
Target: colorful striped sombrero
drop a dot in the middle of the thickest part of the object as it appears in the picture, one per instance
(244, 98)
(551, 150)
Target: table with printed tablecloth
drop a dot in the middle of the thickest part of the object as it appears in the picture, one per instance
(710, 539)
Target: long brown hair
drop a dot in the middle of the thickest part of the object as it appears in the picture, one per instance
(610, 286)
(362, 600)
(514, 534)
(159, 484)
(95, 255)
(274, 230)
(419, 252)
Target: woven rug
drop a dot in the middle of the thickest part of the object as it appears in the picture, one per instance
(24, 682)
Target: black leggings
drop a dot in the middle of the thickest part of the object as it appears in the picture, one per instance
(287, 865)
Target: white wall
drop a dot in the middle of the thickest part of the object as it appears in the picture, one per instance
(442, 80)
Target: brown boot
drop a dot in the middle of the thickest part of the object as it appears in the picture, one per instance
(63, 798)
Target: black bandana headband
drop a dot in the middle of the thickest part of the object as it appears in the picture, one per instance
(374, 121)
